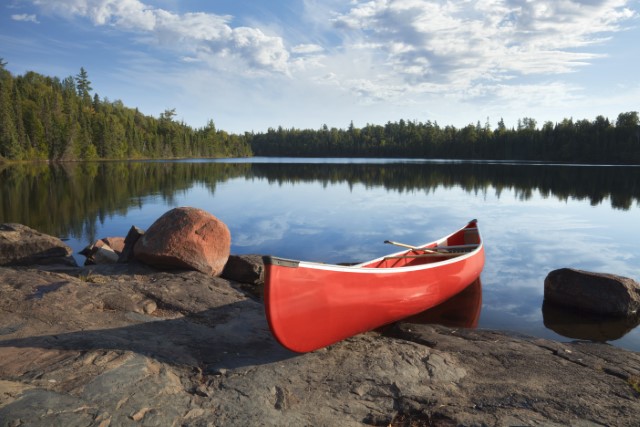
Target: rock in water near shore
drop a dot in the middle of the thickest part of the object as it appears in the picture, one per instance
(104, 251)
(599, 293)
(186, 238)
(21, 245)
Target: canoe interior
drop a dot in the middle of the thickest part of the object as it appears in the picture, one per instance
(459, 243)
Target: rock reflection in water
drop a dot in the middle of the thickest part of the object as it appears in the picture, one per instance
(584, 326)
(460, 311)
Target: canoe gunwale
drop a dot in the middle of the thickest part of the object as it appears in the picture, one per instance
(359, 269)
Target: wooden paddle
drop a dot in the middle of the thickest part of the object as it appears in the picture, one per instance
(435, 249)
(415, 248)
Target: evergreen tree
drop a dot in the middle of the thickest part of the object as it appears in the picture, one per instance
(9, 143)
(44, 117)
(83, 85)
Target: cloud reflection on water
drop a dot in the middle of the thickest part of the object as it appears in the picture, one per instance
(534, 219)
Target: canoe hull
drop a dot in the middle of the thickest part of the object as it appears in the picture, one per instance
(310, 305)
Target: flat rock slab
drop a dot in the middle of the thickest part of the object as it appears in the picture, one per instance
(84, 349)
(21, 245)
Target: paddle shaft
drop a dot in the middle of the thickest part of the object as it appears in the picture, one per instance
(404, 245)
(435, 249)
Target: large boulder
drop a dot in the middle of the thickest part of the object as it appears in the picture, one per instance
(21, 245)
(186, 238)
(599, 293)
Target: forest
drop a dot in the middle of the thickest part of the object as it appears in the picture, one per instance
(45, 118)
(582, 141)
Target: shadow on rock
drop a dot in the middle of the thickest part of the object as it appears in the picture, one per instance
(200, 322)
(200, 340)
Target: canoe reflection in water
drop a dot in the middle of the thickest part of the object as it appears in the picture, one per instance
(460, 311)
(585, 326)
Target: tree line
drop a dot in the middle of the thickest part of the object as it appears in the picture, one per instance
(580, 141)
(48, 118)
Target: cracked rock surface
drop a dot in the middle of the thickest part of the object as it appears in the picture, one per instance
(126, 345)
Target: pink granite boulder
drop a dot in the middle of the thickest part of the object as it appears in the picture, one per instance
(186, 238)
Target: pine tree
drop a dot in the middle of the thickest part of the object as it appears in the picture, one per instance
(83, 85)
(9, 143)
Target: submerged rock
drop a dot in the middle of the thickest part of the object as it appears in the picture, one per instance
(599, 293)
(186, 238)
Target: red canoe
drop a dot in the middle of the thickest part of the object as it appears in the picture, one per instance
(311, 305)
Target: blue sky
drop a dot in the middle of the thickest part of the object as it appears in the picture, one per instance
(250, 65)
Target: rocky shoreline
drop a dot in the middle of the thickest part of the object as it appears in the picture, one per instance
(127, 344)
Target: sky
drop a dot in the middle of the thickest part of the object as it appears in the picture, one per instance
(253, 64)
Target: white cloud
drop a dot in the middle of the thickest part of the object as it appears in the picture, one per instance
(373, 60)
(209, 35)
(407, 42)
(25, 18)
(307, 48)
(463, 43)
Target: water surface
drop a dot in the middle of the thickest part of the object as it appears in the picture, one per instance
(534, 217)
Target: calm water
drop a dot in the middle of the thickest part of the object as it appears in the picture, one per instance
(534, 217)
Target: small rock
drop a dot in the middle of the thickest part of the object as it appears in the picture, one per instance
(105, 255)
(99, 252)
(600, 293)
(245, 269)
(129, 242)
(186, 238)
(115, 243)
(140, 414)
(148, 306)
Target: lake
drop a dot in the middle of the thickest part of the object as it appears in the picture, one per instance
(534, 217)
